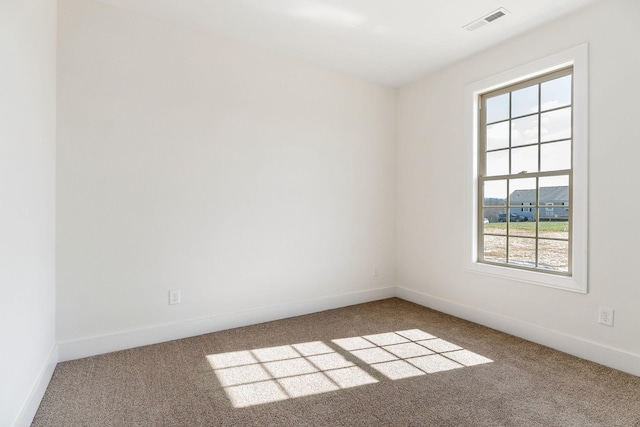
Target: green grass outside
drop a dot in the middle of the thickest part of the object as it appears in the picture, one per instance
(550, 226)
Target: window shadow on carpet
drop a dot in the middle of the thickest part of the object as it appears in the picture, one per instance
(271, 374)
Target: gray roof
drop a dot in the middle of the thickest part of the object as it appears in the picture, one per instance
(547, 194)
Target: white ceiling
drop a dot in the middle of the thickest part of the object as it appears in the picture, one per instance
(391, 42)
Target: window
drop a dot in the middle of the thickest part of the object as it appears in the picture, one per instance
(527, 172)
(525, 136)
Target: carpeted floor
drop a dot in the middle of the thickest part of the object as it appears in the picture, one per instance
(386, 363)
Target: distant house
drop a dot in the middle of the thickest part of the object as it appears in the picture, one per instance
(554, 202)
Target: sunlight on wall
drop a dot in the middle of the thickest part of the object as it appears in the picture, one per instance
(253, 377)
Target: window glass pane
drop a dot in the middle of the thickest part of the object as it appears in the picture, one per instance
(524, 131)
(554, 213)
(556, 93)
(522, 190)
(495, 249)
(498, 163)
(552, 225)
(553, 254)
(495, 193)
(554, 190)
(498, 136)
(492, 221)
(522, 251)
(497, 108)
(556, 125)
(555, 156)
(524, 101)
(524, 159)
(524, 226)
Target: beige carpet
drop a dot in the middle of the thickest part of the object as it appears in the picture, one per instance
(386, 363)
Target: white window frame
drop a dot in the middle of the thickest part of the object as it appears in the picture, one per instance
(578, 58)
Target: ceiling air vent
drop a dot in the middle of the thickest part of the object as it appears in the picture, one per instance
(487, 19)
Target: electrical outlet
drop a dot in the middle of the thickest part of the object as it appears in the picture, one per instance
(605, 316)
(174, 296)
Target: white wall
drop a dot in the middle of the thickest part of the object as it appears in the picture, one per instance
(431, 190)
(184, 161)
(27, 200)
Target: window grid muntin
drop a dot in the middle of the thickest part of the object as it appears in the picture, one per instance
(482, 178)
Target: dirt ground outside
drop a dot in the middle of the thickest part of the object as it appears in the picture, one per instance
(519, 239)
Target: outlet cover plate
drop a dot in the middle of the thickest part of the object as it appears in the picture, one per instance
(174, 296)
(605, 316)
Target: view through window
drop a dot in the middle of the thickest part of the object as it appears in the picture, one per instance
(525, 174)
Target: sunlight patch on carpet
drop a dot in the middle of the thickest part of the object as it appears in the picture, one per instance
(272, 374)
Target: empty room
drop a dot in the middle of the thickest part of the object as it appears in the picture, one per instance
(319, 213)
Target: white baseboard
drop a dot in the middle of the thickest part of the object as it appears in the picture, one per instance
(32, 403)
(584, 349)
(608, 356)
(77, 349)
